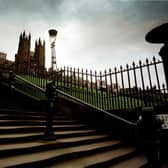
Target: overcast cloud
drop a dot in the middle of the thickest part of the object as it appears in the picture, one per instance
(93, 34)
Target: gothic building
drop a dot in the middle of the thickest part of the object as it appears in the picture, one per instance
(26, 60)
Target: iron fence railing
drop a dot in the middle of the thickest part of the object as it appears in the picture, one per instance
(126, 87)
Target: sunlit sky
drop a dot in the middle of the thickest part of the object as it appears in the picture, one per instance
(93, 34)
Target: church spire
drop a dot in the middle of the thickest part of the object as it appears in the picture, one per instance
(39, 42)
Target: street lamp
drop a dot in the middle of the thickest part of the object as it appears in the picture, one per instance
(50, 91)
(52, 36)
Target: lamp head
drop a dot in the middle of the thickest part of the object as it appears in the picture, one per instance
(52, 35)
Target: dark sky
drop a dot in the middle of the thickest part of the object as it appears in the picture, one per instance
(94, 34)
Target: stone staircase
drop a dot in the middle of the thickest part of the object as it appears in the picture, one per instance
(76, 145)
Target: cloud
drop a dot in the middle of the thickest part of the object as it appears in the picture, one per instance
(91, 34)
(106, 43)
(82, 9)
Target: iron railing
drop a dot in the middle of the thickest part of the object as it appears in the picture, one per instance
(127, 87)
(124, 88)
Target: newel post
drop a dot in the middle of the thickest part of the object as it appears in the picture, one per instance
(50, 93)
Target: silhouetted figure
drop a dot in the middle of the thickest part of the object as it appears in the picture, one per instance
(148, 137)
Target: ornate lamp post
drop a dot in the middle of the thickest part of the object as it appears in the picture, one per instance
(160, 35)
(52, 36)
(50, 91)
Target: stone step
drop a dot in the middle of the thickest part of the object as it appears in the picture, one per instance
(32, 117)
(22, 123)
(36, 146)
(36, 120)
(33, 129)
(90, 161)
(8, 122)
(10, 136)
(120, 160)
(8, 104)
(30, 113)
(58, 133)
(43, 158)
(69, 126)
(21, 111)
(134, 162)
(20, 117)
(9, 107)
(25, 137)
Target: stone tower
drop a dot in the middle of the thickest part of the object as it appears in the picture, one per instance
(39, 55)
(22, 58)
(27, 61)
